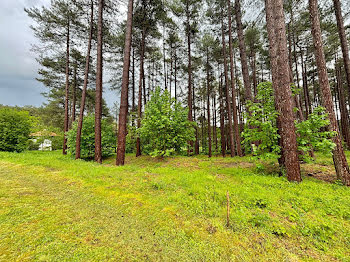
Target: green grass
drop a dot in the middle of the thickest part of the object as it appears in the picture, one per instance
(53, 208)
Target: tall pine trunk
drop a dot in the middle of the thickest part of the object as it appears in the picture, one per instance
(141, 80)
(74, 93)
(189, 69)
(339, 159)
(233, 87)
(242, 49)
(98, 99)
(344, 113)
(343, 41)
(281, 83)
(123, 112)
(208, 106)
(66, 101)
(228, 102)
(86, 80)
(222, 118)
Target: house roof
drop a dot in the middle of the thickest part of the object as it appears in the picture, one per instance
(43, 133)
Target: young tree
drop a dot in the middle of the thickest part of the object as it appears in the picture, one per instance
(125, 86)
(339, 159)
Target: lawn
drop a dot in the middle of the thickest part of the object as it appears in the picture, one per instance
(53, 208)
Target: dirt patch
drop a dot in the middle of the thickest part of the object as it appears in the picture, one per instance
(235, 164)
(324, 173)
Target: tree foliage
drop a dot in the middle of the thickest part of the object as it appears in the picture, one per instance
(165, 128)
(261, 134)
(15, 127)
(88, 138)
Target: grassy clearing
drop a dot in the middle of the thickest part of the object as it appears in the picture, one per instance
(53, 208)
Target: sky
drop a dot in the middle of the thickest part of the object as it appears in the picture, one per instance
(18, 67)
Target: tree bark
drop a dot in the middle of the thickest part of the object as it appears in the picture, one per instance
(228, 102)
(242, 48)
(66, 101)
(339, 159)
(222, 119)
(344, 113)
(141, 79)
(208, 106)
(123, 112)
(343, 41)
(99, 69)
(233, 87)
(74, 93)
(86, 80)
(281, 83)
(189, 95)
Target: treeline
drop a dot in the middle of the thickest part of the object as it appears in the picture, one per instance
(211, 56)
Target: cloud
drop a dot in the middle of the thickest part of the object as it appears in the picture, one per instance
(18, 67)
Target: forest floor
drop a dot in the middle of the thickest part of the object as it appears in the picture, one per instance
(53, 208)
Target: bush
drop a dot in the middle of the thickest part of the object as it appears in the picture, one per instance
(165, 128)
(262, 128)
(15, 128)
(87, 146)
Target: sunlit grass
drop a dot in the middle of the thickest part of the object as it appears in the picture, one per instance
(53, 208)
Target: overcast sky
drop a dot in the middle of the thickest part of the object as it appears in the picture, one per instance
(18, 67)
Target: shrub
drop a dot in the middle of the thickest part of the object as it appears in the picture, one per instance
(15, 128)
(87, 146)
(165, 128)
(262, 124)
(262, 127)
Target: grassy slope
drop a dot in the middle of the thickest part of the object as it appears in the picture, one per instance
(56, 209)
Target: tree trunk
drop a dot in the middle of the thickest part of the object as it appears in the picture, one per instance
(343, 41)
(281, 83)
(74, 93)
(222, 119)
(133, 76)
(215, 137)
(228, 102)
(189, 98)
(242, 48)
(196, 145)
(233, 87)
(99, 69)
(344, 113)
(339, 159)
(175, 77)
(66, 101)
(86, 80)
(305, 86)
(123, 112)
(208, 106)
(139, 107)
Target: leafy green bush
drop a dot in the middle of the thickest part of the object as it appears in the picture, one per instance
(311, 135)
(15, 128)
(262, 124)
(262, 128)
(165, 128)
(87, 146)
